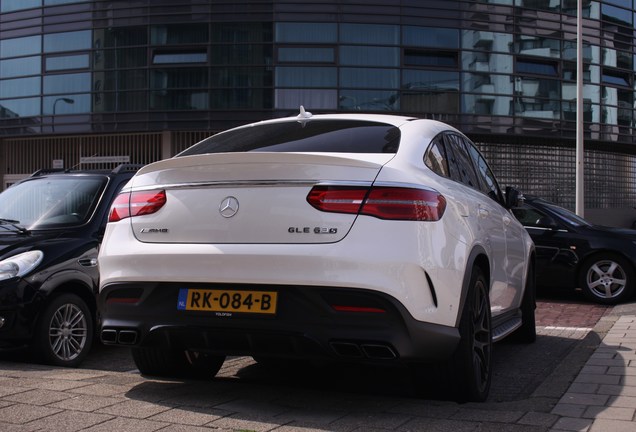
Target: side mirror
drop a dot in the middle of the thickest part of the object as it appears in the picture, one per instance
(514, 198)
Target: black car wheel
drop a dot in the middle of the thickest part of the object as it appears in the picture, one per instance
(607, 279)
(64, 334)
(471, 368)
(176, 363)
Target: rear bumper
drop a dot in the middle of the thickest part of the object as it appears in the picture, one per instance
(305, 326)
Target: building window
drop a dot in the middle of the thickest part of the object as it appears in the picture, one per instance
(306, 32)
(442, 59)
(430, 37)
(69, 41)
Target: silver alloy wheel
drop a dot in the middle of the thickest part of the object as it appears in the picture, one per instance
(68, 332)
(606, 279)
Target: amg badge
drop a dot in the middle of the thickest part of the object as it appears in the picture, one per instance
(154, 230)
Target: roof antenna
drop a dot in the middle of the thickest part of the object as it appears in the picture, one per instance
(304, 115)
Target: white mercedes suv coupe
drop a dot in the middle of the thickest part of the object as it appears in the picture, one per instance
(362, 238)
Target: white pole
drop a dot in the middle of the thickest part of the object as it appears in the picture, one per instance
(580, 154)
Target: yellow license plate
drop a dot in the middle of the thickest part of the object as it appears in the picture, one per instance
(219, 300)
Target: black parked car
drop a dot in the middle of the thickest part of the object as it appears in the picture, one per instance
(573, 253)
(51, 226)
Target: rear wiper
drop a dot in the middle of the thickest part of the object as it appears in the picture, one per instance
(14, 223)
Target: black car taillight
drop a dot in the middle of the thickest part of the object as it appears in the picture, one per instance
(130, 204)
(383, 202)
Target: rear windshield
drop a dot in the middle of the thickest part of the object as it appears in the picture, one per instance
(333, 136)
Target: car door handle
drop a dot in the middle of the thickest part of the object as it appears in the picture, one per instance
(88, 262)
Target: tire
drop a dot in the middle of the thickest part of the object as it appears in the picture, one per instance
(607, 279)
(64, 331)
(176, 363)
(470, 368)
(527, 333)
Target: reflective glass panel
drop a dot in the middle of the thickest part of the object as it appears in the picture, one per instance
(67, 83)
(423, 80)
(373, 100)
(487, 83)
(241, 77)
(13, 5)
(538, 46)
(120, 101)
(20, 46)
(237, 32)
(369, 56)
(169, 58)
(370, 34)
(540, 4)
(246, 54)
(120, 37)
(69, 41)
(20, 108)
(178, 78)
(80, 61)
(437, 58)
(253, 98)
(430, 37)
(120, 80)
(306, 77)
(486, 104)
(120, 58)
(179, 100)
(430, 91)
(488, 42)
(20, 67)
(486, 62)
(12, 88)
(306, 32)
(537, 68)
(616, 15)
(170, 34)
(71, 104)
(306, 55)
(369, 78)
(310, 98)
(57, 2)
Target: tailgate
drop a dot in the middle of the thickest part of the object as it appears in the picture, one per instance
(249, 197)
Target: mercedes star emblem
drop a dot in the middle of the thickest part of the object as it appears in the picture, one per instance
(229, 207)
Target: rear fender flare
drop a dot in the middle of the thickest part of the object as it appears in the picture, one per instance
(477, 257)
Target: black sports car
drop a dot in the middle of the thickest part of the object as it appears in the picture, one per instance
(51, 226)
(573, 253)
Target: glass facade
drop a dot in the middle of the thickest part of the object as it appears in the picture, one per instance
(495, 69)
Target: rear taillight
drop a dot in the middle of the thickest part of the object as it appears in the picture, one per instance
(140, 203)
(383, 202)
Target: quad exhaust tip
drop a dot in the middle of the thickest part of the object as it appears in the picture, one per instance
(121, 337)
(374, 351)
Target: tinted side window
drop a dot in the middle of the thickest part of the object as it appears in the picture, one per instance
(489, 183)
(463, 160)
(340, 136)
(529, 216)
(435, 157)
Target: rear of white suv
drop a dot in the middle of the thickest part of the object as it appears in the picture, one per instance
(335, 237)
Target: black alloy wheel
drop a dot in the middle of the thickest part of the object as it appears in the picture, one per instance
(470, 371)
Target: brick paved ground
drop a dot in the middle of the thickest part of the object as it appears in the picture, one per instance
(534, 395)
